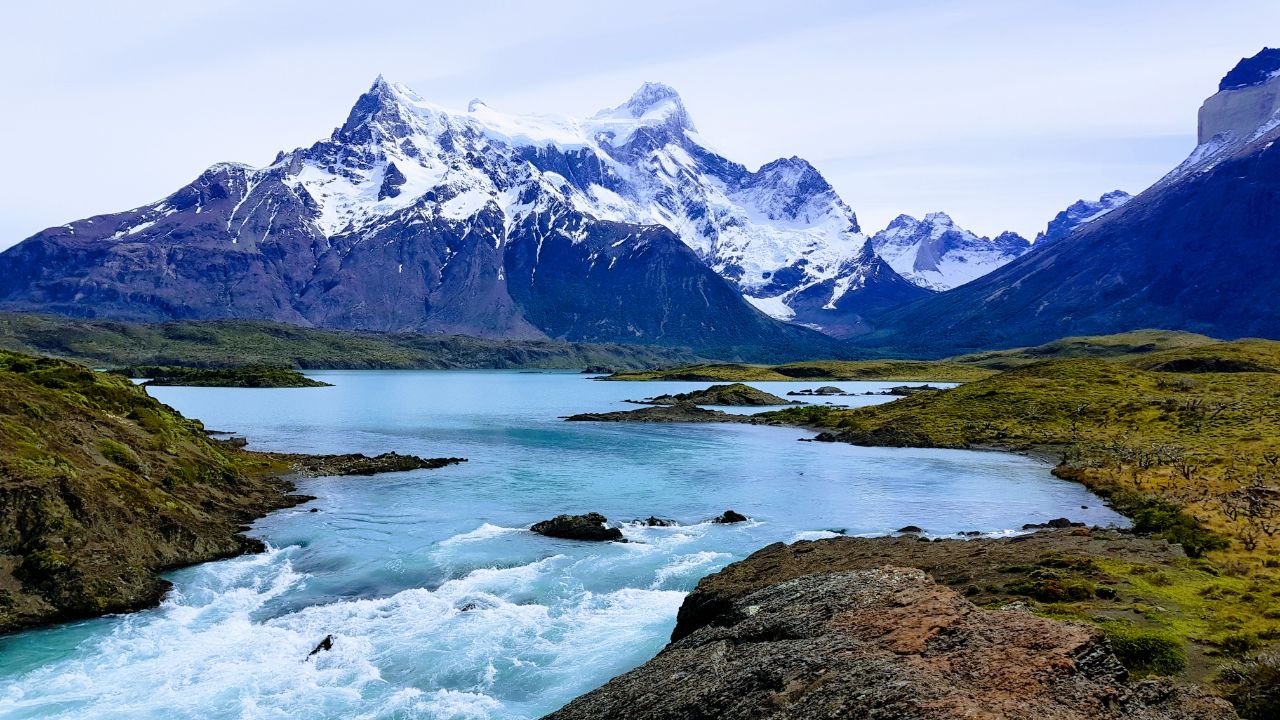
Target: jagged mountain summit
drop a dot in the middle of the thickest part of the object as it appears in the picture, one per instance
(411, 217)
(1079, 213)
(937, 254)
(1196, 251)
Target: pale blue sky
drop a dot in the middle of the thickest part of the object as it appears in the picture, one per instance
(998, 112)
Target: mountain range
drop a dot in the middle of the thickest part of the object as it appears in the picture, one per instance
(1196, 251)
(624, 226)
(628, 227)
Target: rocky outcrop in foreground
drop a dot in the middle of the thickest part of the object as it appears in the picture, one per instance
(885, 643)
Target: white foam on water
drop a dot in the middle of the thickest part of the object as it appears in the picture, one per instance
(814, 535)
(684, 567)
(498, 642)
(487, 531)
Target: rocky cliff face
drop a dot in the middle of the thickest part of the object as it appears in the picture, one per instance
(410, 217)
(1248, 98)
(884, 643)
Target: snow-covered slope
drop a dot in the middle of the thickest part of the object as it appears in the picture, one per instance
(1079, 213)
(770, 232)
(935, 253)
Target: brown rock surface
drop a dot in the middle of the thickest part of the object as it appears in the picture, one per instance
(961, 564)
(886, 644)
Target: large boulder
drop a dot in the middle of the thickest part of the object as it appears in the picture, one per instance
(886, 643)
(591, 526)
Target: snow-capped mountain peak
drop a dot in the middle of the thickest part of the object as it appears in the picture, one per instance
(776, 234)
(937, 254)
(656, 103)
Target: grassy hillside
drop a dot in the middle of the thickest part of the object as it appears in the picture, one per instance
(1121, 346)
(234, 343)
(904, 370)
(1190, 452)
(101, 486)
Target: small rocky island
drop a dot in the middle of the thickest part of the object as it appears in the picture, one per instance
(681, 412)
(360, 464)
(731, 395)
(255, 376)
(824, 391)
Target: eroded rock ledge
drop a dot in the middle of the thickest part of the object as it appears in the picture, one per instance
(885, 643)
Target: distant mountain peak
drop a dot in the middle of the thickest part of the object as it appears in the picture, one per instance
(1253, 70)
(654, 103)
(649, 95)
(937, 254)
(1079, 213)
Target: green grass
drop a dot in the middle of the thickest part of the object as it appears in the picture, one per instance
(237, 343)
(1120, 346)
(1146, 652)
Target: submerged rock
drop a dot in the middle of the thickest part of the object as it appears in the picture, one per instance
(905, 390)
(591, 526)
(653, 521)
(1056, 524)
(884, 643)
(910, 529)
(824, 390)
(729, 517)
(325, 645)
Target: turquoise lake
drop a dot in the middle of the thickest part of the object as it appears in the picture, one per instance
(387, 563)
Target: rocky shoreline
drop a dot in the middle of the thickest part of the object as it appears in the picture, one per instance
(855, 627)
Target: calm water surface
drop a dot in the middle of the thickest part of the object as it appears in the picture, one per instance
(388, 563)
